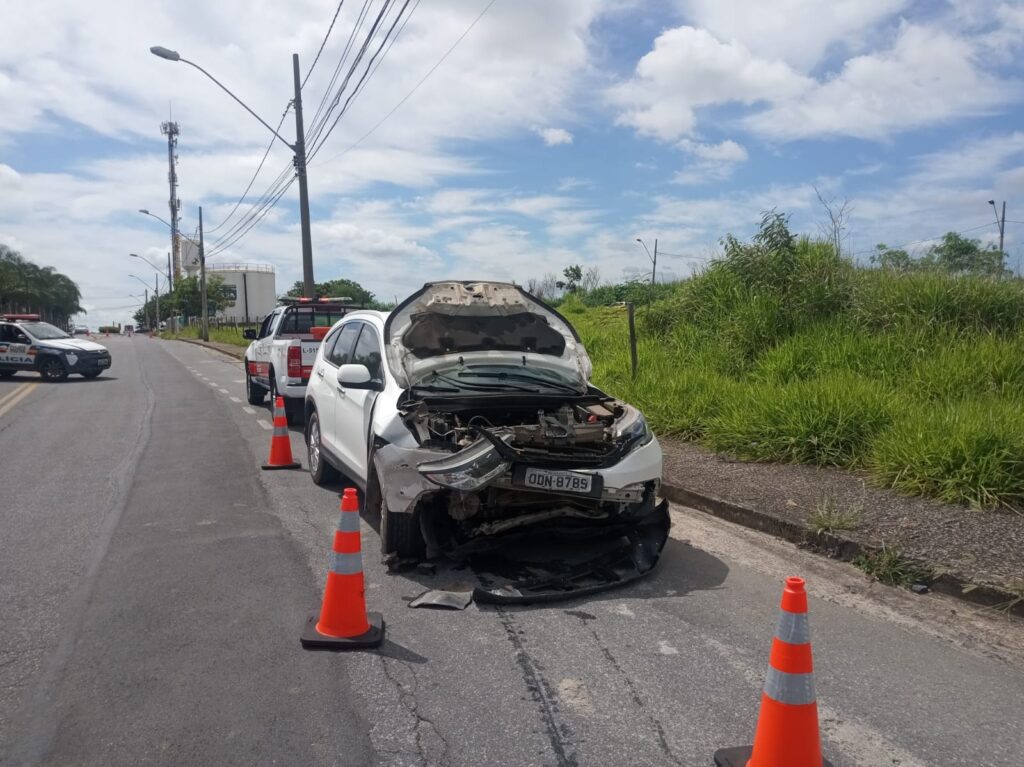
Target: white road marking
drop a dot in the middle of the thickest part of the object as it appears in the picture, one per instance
(265, 425)
(248, 410)
(666, 649)
(214, 384)
(235, 399)
(223, 391)
(239, 380)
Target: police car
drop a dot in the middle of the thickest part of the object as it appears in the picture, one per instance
(26, 343)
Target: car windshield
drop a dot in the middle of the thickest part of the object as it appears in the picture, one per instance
(500, 378)
(43, 331)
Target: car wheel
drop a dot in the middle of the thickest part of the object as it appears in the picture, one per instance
(254, 393)
(319, 469)
(7, 373)
(273, 389)
(91, 374)
(399, 532)
(53, 369)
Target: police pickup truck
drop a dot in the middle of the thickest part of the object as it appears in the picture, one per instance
(26, 343)
(280, 358)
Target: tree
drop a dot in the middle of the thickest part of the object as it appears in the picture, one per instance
(958, 255)
(838, 217)
(573, 277)
(26, 287)
(591, 279)
(338, 289)
(893, 259)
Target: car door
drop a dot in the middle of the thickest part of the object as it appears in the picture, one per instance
(15, 348)
(326, 386)
(261, 352)
(354, 406)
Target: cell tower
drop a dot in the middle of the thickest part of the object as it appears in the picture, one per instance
(170, 129)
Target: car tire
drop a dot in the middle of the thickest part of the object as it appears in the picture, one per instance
(52, 369)
(254, 393)
(399, 532)
(91, 374)
(321, 472)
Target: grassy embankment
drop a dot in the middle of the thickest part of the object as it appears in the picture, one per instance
(791, 354)
(225, 335)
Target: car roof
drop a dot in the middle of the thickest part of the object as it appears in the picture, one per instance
(367, 314)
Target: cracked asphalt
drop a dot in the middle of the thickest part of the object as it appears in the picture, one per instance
(154, 583)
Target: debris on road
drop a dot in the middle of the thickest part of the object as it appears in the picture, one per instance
(443, 600)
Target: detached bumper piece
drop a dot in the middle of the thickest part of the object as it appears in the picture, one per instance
(556, 564)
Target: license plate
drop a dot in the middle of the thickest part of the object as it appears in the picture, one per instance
(103, 362)
(558, 481)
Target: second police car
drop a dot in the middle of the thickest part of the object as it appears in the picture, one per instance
(28, 344)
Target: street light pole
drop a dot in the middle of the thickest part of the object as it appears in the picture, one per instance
(654, 258)
(298, 148)
(1000, 222)
(202, 279)
(156, 292)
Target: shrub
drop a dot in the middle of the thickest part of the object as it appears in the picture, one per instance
(885, 299)
(823, 421)
(962, 452)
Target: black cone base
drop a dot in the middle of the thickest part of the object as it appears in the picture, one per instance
(312, 639)
(739, 756)
(268, 467)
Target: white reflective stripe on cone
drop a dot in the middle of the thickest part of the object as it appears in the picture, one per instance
(794, 689)
(794, 628)
(346, 564)
(349, 522)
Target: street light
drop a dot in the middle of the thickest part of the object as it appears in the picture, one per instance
(654, 258)
(298, 148)
(154, 215)
(1000, 222)
(156, 283)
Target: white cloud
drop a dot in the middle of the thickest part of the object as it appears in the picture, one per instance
(928, 76)
(689, 68)
(799, 32)
(712, 162)
(555, 136)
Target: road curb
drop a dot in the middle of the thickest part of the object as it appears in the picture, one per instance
(836, 546)
(240, 355)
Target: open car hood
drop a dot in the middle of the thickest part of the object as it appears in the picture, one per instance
(480, 323)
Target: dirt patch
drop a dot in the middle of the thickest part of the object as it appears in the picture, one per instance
(981, 547)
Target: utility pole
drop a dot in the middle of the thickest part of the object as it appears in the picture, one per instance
(156, 292)
(202, 279)
(145, 303)
(170, 282)
(654, 264)
(300, 169)
(170, 129)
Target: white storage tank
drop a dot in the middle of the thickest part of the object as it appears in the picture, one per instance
(252, 290)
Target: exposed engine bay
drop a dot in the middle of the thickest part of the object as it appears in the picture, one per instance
(493, 471)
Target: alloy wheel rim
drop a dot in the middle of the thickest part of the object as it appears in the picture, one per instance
(314, 446)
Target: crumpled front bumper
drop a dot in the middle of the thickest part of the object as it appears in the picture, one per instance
(548, 570)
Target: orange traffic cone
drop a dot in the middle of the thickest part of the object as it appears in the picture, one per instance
(280, 442)
(344, 623)
(787, 729)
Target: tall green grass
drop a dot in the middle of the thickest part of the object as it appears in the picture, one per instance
(783, 351)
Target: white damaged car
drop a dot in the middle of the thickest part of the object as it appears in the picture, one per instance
(467, 418)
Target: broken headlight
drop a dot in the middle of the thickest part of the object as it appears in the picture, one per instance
(633, 428)
(468, 469)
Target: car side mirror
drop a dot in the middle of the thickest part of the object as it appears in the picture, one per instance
(357, 377)
(249, 334)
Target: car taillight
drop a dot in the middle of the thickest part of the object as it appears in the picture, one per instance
(294, 362)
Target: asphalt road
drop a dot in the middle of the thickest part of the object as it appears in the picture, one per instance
(154, 583)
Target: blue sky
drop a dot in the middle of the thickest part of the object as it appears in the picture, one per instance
(554, 133)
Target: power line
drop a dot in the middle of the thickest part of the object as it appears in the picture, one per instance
(362, 80)
(322, 44)
(319, 116)
(926, 239)
(266, 201)
(318, 129)
(415, 87)
(254, 221)
(254, 175)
